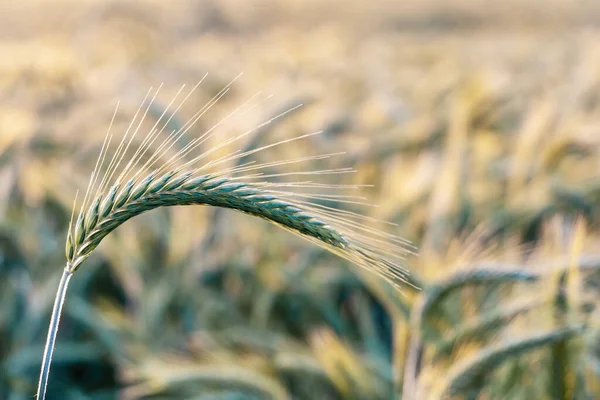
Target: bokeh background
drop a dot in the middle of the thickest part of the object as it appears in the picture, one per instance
(477, 122)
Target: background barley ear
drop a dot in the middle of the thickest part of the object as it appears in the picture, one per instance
(153, 177)
(465, 376)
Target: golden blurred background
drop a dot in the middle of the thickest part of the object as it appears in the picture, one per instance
(477, 122)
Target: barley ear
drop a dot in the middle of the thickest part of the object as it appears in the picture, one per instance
(462, 376)
(108, 202)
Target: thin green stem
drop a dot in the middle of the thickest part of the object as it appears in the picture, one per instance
(52, 331)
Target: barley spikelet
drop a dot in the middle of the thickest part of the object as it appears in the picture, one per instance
(243, 188)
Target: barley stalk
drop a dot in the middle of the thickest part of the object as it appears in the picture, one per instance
(123, 193)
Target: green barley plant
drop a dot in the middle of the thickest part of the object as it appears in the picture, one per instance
(134, 184)
(473, 333)
(462, 376)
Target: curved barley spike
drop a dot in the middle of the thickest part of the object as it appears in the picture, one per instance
(490, 273)
(121, 195)
(434, 295)
(463, 375)
(480, 329)
(167, 191)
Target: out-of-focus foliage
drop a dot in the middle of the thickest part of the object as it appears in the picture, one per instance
(479, 125)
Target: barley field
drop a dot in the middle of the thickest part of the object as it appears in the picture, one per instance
(472, 127)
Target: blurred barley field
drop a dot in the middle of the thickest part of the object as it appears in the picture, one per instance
(477, 123)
